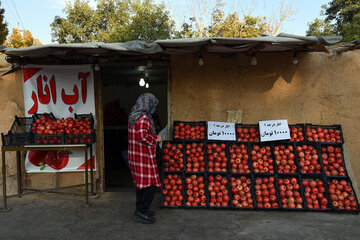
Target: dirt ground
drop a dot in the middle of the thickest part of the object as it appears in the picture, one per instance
(59, 216)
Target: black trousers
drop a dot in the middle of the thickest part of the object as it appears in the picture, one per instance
(144, 198)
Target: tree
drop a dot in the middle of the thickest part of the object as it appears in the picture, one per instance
(235, 24)
(3, 26)
(342, 17)
(18, 40)
(112, 21)
(320, 28)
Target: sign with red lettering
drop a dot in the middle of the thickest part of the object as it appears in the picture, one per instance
(64, 91)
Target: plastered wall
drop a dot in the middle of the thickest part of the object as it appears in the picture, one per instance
(321, 89)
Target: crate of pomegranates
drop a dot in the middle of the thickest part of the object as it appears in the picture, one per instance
(20, 133)
(315, 190)
(333, 161)
(172, 190)
(342, 195)
(247, 132)
(172, 156)
(195, 194)
(324, 133)
(291, 193)
(261, 158)
(297, 132)
(50, 130)
(266, 192)
(217, 187)
(309, 158)
(242, 194)
(285, 158)
(189, 130)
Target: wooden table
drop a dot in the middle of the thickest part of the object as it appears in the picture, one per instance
(81, 147)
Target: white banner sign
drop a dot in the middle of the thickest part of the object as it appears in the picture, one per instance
(273, 130)
(221, 131)
(64, 91)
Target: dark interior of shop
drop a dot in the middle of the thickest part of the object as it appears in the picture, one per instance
(121, 87)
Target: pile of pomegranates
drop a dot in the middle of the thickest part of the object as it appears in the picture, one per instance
(308, 158)
(315, 193)
(195, 157)
(172, 190)
(341, 195)
(241, 192)
(218, 191)
(265, 192)
(333, 161)
(216, 157)
(247, 134)
(189, 131)
(261, 159)
(289, 189)
(173, 157)
(239, 158)
(285, 159)
(296, 134)
(320, 134)
(195, 191)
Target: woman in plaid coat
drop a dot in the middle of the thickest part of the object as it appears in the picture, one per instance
(142, 155)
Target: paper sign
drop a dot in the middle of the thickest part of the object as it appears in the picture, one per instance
(273, 130)
(221, 131)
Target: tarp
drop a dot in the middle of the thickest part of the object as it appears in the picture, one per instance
(282, 42)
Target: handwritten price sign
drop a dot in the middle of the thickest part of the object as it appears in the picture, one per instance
(221, 131)
(273, 130)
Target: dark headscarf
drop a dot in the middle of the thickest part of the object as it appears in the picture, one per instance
(143, 105)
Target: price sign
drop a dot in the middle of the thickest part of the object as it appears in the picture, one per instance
(221, 131)
(273, 130)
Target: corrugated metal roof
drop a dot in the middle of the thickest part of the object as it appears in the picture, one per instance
(282, 42)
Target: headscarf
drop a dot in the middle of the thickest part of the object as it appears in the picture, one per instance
(143, 105)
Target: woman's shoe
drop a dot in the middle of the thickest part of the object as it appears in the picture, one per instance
(143, 218)
(151, 213)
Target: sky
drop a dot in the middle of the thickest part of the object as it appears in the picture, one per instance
(37, 15)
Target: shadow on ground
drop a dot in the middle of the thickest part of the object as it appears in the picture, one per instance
(58, 216)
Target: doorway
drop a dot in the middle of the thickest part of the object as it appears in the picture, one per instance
(121, 87)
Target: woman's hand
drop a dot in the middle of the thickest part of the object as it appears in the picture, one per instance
(159, 139)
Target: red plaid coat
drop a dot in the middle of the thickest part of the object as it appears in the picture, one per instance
(142, 154)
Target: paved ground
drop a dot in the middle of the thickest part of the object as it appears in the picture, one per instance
(58, 216)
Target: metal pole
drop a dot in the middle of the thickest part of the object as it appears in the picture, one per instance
(4, 178)
(86, 178)
(19, 175)
(91, 171)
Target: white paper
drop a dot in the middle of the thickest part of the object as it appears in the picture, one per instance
(221, 131)
(273, 130)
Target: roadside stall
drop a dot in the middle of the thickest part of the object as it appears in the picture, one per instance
(239, 81)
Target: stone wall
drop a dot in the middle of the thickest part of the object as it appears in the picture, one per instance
(321, 89)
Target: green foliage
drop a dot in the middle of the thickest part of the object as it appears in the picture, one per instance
(320, 28)
(3, 26)
(112, 21)
(342, 17)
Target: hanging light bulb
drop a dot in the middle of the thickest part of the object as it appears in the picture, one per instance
(295, 59)
(149, 63)
(97, 67)
(201, 61)
(147, 85)
(142, 82)
(253, 60)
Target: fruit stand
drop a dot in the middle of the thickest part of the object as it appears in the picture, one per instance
(46, 133)
(305, 173)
